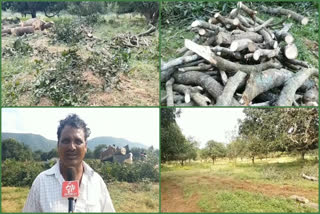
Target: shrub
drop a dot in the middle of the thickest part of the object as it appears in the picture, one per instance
(16, 173)
(63, 85)
(67, 30)
(136, 172)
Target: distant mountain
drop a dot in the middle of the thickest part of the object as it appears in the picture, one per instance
(34, 141)
(120, 142)
(38, 142)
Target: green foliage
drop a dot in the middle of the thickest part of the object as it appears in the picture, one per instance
(67, 30)
(183, 12)
(22, 47)
(49, 8)
(12, 149)
(16, 173)
(138, 171)
(86, 8)
(63, 85)
(269, 130)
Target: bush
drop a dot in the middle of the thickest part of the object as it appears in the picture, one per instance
(63, 85)
(67, 30)
(16, 173)
(136, 172)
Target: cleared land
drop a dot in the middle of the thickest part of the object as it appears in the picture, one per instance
(132, 76)
(239, 186)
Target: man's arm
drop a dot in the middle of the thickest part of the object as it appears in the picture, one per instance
(32, 204)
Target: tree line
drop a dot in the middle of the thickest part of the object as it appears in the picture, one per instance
(15, 150)
(84, 8)
(261, 133)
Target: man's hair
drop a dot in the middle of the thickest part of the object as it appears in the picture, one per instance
(74, 121)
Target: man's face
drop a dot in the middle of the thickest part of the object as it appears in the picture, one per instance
(72, 146)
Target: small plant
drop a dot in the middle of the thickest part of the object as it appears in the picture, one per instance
(22, 47)
(63, 84)
(67, 30)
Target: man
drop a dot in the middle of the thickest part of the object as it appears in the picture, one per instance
(46, 191)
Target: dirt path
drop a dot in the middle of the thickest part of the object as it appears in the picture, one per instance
(172, 199)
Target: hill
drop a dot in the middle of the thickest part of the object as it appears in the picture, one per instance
(34, 141)
(38, 142)
(120, 142)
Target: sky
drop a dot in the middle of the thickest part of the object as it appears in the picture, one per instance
(206, 124)
(135, 124)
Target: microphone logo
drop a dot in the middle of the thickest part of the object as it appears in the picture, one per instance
(70, 189)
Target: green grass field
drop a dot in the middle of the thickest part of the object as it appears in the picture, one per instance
(126, 197)
(229, 186)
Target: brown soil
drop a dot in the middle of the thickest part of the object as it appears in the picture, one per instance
(93, 80)
(172, 199)
(132, 91)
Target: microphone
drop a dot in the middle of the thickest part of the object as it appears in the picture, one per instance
(70, 188)
(71, 172)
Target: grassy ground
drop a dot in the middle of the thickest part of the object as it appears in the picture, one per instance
(238, 186)
(139, 85)
(126, 197)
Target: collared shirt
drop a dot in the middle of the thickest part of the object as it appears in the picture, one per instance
(46, 193)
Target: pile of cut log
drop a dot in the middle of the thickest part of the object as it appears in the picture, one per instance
(242, 60)
(27, 27)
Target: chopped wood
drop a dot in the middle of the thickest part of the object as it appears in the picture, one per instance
(263, 50)
(203, 51)
(20, 31)
(200, 67)
(208, 83)
(226, 97)
(226, 52)
(170, 92)
(224, 77)
(203, 24)
(179, 61)
(311, 178)
(291, 86)
(239, 45)
(291, 51)
(281, 11)
(260, 82)
(184, 49)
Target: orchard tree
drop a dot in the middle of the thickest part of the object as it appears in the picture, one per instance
(215, 150)
(50, 9)
(172, 139)
(237, 148)
(290, 130)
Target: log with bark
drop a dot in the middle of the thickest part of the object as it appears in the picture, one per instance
(27, 27)
(241, 59)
